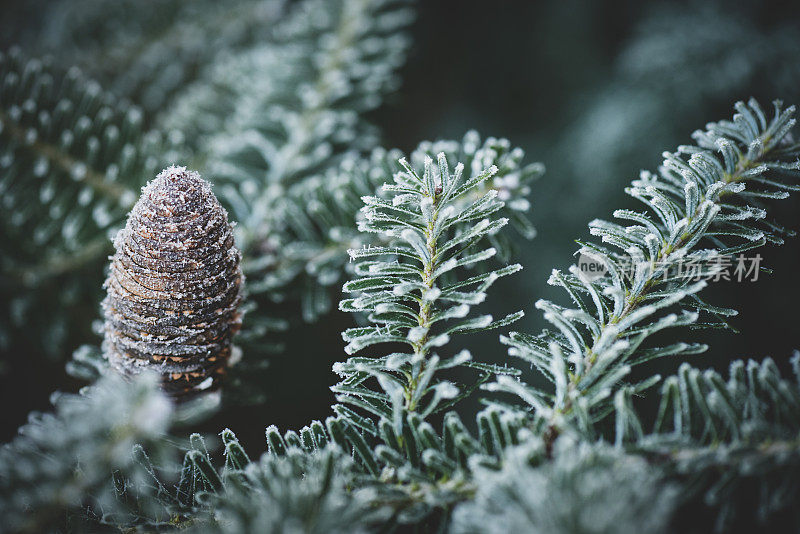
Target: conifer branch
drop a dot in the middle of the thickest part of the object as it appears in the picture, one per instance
(585, 487)
(408, 296)
(322, 214)
(62, 461)
(696, 195)
(151, 54)
(278, 118)
(722, 436)
(73, 160)
(287, 112)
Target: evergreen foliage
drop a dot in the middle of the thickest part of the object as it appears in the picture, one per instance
(72, 160)
(413, 297)
(64, 460)
(707, 195)
(323, 212)
(415, 470)
(278, 116)
(296, 492)
(416, 291)
(295, 112)
(586, 487)
(734, 441)
(149, 55)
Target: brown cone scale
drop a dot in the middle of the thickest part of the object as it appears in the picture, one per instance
(174, 286)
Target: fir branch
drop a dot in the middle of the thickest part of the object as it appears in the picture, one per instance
(402, 480)
(150, 53)
(297, 110)
(72, 160)
(321, 215)
(697, 195)
(585, 488)
(297, 491)
(721, 436)
(63, 461)
(432, 224)
(414, 293)
(293, 105)
(408, 295)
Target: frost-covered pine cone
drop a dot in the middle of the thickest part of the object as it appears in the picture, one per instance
(174, 286)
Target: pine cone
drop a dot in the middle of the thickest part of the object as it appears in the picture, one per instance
(174, 286)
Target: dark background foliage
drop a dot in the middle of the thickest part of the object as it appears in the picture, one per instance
(595, 90)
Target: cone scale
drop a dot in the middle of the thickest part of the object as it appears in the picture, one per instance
(174, 286)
